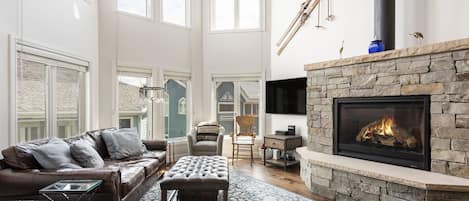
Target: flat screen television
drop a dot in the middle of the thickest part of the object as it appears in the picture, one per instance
(286, 96)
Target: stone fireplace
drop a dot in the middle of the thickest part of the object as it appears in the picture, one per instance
(390, 126)
(394, 130)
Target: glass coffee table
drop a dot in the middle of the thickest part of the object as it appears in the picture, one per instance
(75, 190)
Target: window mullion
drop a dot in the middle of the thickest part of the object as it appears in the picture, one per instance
(188, 105)
(236, 104)
(237, 13)
(188, 13)
(51, 106)
(148, 8)
(82, 102)
(262, 15)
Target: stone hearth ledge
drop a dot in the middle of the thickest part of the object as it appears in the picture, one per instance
(396, 174)
(393, 54)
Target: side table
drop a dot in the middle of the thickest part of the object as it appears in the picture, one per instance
(75, 190)
(283, 143)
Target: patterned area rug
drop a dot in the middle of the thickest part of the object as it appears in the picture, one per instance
(243, 188)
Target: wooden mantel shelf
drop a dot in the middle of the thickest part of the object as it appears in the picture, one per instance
(393, 54)
(391, 173)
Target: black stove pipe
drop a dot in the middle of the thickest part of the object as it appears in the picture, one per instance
(385, 22)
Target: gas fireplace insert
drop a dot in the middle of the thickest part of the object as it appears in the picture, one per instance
(394, 130)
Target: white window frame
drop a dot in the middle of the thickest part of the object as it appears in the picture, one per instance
(59, 59)
(128, 118)
(252, 108)
(188, 17)
(236, 78)
(149, 10)
(186, 76)
(142, 72)
(166, 104)
(236, 18)
(225, 103)
(182, 103)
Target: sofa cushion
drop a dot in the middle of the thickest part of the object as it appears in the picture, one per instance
(99, 142)
(80, 138)
(20, 157)
(160, 155)
(155, 144)
(86, 155)
(123, 143)
(54, 155)
(150, 165)
(205, 146)
(131, 177)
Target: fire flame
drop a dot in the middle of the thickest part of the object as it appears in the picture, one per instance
(383, 128)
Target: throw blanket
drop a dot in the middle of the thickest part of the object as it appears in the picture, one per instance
(207, 132)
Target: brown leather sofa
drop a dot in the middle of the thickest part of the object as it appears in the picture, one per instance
(21, 177)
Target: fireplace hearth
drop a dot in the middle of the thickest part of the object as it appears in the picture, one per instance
(394, 130)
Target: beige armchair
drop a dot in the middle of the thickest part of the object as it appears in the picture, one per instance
(206, 139)
(244, 137)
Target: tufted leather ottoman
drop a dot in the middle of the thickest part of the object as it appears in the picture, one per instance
(197, 178)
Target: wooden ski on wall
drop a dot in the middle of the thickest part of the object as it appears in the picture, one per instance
(305, 11)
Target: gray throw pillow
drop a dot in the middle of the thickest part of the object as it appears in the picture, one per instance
(54, 155)
(86, 155)
(123, 143)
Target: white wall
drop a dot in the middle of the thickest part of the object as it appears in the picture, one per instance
(56, 25)
(353, 25)
(446, 20)
(438, 20)
(9, 22)
(132, 41)
(232, 53)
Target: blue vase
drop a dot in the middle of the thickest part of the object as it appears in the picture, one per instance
(376, 46)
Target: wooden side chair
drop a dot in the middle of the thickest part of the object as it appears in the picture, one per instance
(245, 136)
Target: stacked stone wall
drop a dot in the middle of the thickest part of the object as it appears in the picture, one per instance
(443, 76)
(342, 186)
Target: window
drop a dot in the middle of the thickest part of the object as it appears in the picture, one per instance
(176, 12)
(67, 96)
(225, 107)
(135, 7)
(125, 122)
(134, 107)
(236, 98)
(177, 113)
(31, 84)
(182, 106)
(250, 109)
(50, 98)
(237, 15)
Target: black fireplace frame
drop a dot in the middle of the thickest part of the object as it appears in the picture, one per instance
(425, 160)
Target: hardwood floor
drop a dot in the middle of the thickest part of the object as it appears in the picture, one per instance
(289, 180)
